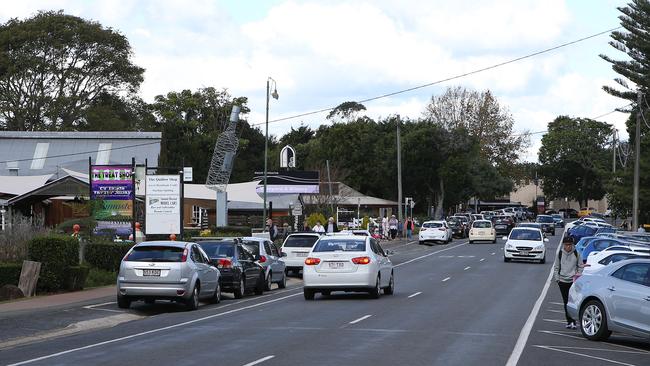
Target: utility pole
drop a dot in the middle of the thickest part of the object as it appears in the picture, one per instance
(614, 150)
(329, 181)
(637, 157)
(399, 173)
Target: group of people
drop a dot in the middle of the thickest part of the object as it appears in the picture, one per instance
(392, 228)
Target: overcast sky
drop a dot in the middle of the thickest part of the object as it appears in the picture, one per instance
(322, 53)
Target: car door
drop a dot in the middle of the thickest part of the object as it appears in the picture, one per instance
(250, 269)
(273, 261)
(629, 297)
(202, 270)
(384, 262)
(213, 273)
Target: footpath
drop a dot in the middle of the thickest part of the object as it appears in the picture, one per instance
(48, 301)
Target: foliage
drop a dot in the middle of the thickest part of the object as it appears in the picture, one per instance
(53, 66)
(347, 111)
(106, 255)
(238, 230)
(574, 159)
(10, 273)
(314, 218)
(99, 277)
(56, 253)
(15, 239)
(86, 226)
(365, 222)
(207, 232)
(76, 277)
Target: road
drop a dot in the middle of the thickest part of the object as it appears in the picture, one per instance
(455, 304)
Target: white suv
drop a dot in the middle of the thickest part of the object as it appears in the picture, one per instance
(296, 247)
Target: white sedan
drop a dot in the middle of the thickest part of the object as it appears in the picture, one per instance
(435, 231)
(525, 243)
(348, 263)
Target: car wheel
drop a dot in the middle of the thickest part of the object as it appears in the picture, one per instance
(505, 259)
(543, 260)
(391, 285)
(216, 298)
(267, 285)
(309, 294)
(193, 302)
(241, 290)
(283, 283)
(123, 302)
(494, 241)
(261, 283)
(593, 321)
(376, 291)
(471, 242)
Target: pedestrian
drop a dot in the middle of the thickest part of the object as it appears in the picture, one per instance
(400, 229)
(286, 229)
(318, 228)
(272, 230)
(305, 226)
(392, 226)
(409, 228)
(331, 226)
(384, 227)
(641, 229)
(568, 265)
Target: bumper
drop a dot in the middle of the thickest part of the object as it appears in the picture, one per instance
(294, 263)
(532, 255)
(482, 237)
(229, 281)
(157, 291)
(433, 237)
(339, 281)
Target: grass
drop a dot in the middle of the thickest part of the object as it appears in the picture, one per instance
(99, 277)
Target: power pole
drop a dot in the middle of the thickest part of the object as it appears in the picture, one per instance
(399, 173)
(637, 157)
(329, 181)
(614, 150)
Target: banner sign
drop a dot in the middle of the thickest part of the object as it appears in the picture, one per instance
(292, 181)
(112, 194)
(163, 204)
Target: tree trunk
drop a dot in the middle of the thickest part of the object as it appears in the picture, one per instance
(440, 198)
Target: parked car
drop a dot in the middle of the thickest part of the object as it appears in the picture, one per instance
(613, 299)
(477, 217)
(296, 247)
(457, 227)
(503, 224)
(569, 213)
(270, 258)
(600, 244)
(586, 211)
(435, 231)
(167, 270)
(597, 260)
(240, 272)
(548, 223)
(581, 231)
(350, 264)
(583, 242)
(482, 230)
(559, 221)
(525, 243)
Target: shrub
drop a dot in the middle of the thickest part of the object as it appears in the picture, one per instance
(99, 277)
(106, 255)
(57, 254)
(76, 277)
(10, 273)
(365, 222)
(316, 217)
(86, 226)
(238, 230)
(14, 240)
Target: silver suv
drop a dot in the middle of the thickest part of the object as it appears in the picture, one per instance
(270, 258)
(167, 270)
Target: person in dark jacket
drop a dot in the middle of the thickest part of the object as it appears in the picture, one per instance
(272, 230)
(409, 228)
(568, 265)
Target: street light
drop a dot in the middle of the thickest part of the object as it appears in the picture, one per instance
(275, 95)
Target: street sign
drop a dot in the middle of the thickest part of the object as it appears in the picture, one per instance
(187, 174)
(297, 211)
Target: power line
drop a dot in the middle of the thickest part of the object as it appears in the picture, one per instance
(449, 78)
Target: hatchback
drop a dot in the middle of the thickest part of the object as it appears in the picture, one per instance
(167, 270)
(348, 263)
(296, 247)
(270, 259)
(548, 223)
(482, 230)
(435, 231)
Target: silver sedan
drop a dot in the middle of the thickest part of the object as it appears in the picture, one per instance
(614, 298)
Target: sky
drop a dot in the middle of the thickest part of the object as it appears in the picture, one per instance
(323, 53)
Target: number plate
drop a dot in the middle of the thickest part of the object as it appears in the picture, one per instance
(523, 252)
(500, 227)
(336, 265)
(481, 232)
(301, 254)
(151, 272)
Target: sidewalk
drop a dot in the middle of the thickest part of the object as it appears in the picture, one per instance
(46, 301)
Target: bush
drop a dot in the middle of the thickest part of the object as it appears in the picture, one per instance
(86, 226)
(106, 255)
(76, 277)
(10, 273)
(15, 239)
(316, 217)
(99, 277)
(238, 230)
(57, 254)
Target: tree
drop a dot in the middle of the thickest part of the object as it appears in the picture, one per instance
(53, 66)
(574, 159)
(110, 112)
(347, 111)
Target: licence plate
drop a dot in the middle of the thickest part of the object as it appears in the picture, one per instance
(336, 265)
(523, 252)
(481, 232)
(301, 254)
(500, 227)
(151, 272)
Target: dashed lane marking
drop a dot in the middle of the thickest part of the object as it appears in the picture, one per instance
(428, 255)
(482, 259)
(466, 268)
(493, 253)
(587, 356)
(446, 279)
(257, 362)
(360, 319)
(415, 294)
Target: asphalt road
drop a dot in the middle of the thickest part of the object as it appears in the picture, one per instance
(455, 304)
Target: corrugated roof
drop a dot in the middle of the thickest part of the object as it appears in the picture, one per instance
(101, 135)
(19, 185)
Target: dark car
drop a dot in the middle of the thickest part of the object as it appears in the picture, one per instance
(559, 221)
(457, 227)
(503, 224)
(464, 220)
(569, 212)
(240, 273)
(548, 223)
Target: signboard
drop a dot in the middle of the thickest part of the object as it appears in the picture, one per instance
(297, 211)
(187, 174)
(293, 181)
(112, 194)
(163, 204)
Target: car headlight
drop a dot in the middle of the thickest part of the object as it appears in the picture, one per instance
(509, 246)
(539, 247)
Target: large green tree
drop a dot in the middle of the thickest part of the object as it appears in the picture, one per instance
(54, 66)
(574, 159)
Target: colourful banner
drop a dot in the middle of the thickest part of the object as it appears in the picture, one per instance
(112, 194)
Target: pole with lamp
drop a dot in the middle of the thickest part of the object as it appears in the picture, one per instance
(275, 96)
(2, 214)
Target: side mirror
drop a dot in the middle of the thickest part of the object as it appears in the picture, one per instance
(546, 240)
(505, 238)
(283, 254)
(389, 252)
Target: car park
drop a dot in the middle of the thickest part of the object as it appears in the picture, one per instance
(240, 272)
(525, 243)
(503, 224)
(482, 230)
(613, 299)
(270, 258)
(435, 231)
(597, 260)
(559, 221)
(167, 270)
(296, 247)
(547, 222)
(350, 264)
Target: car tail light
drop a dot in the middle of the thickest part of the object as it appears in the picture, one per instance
(224, 263)
(184, 256)
(423, 229)
(442, 229)
(180, 292)
(312, 261)
(361, 260)
(262, 259)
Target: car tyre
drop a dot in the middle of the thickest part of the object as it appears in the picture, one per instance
(420, 242)
(309, 294)
(267, 285)
(543, 260)
(593, 321)
(216, 298)
(123, 302)
(505, 259)
(376, 291)
(261, 283)
(471, 241)
(391, 285)
(193, 302)
(241, 290)
(494, 241)
(283, 283)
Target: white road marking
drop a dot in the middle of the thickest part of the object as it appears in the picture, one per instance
(482, 259)
(260, 360)
(493, 253)
(572, 335)
(428, 255)
(555, 311)
(92, 307)
(466, 268)
(599, 349)
(588, 356)
(447, 256)
(360, 319)
(446, 279)
(556, 303)
(150, 331)
(555, 321)
(466, 256)
(415, 294)
(528, 326)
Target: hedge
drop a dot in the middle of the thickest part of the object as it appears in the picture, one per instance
(56, 254)
(240, 230)
(107, 255)
(76, 277)
(10, 273)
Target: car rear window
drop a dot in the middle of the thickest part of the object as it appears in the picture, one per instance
(155, 254)
(429, 225)
(219, 250)
(300, 241)
(252, 247)
(545, 219)
(340, 245)
(525, 235)
(482, 224)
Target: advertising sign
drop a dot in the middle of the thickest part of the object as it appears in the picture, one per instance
(293, 181)
(163, 204)
(112, 195)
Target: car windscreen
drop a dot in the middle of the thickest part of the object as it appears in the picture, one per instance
(252, 246)
(300, 241)
(482, 224)
(152, 253)
(533, 225)
(559, 217)
(340, 245)
(545, 219)
(429, 225)
(219, 249)
(525, 235)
